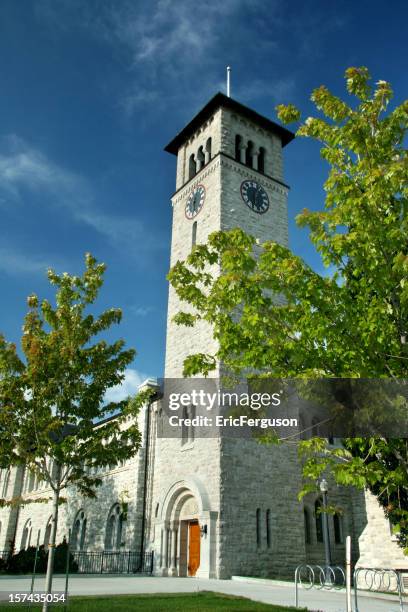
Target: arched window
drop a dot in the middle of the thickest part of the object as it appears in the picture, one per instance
(110, 533)
(192, 169)
(47, 533)
(194, 234)
(261, 159)
(319, 520)
(156, 513)
(258, 527)
(78, 531)
(26, 537)
(338, 528)
(208, 150)
(306, 518)
(248, 153)
(268, 528)
(115, 528)
(200, 159)
(238, 144)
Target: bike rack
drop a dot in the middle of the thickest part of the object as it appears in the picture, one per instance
(328, 577)
(378, 579)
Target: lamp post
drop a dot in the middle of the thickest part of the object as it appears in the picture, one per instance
(326, 538)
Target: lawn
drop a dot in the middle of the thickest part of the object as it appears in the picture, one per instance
(185, 602)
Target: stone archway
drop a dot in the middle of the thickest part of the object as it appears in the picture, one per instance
(187, 532)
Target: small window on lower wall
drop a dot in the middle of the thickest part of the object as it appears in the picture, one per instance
(194, 234)
(306, 517)
(338, 528)
(319, 521)
(258, 527)
(268, 528)
(187, 431)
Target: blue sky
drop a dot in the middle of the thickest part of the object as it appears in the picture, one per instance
(91, 92)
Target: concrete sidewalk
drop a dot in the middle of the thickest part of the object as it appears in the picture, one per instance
(258, 590)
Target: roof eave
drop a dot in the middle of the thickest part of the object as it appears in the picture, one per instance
(222, 100)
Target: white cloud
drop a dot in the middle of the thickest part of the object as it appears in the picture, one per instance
(174, 48)
(136, 97)
(164, 44)
(24, 167)
(277, 90)
(13, 262)
(141, 311)
(133, 379)
(161, 30)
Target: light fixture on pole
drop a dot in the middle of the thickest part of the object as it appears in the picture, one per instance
(324, 487)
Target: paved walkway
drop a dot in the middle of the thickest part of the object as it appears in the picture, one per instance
(264, 591)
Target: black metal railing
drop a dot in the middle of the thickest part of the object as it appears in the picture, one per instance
(113, 562)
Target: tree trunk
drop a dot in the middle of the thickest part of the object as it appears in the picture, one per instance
(53, 535)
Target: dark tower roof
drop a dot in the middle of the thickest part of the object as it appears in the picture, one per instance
(222, 100)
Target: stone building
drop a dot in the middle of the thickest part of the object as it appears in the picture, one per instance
(221, 506)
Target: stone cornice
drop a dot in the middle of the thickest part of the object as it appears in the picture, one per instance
(223, 159)
(181, 193)
(271, 183)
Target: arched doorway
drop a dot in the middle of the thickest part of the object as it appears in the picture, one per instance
(184, 528)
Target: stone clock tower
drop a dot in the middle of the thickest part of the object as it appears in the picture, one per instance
(218, 505)
(229, 174)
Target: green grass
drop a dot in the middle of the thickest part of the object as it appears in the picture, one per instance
(202, 601)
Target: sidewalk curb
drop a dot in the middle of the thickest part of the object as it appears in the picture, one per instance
(287, 583)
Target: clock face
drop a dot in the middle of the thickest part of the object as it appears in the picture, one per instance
(195, 202)
(255, 196)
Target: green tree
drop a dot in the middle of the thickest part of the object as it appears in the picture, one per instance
(351, 324)
(51, 399)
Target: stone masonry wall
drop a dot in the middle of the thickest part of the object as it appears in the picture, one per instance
(377, 546)
(120, 483)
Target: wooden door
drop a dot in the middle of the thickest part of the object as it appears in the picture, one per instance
(193, 548)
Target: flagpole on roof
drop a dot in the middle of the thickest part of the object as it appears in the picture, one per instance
(228, 81)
